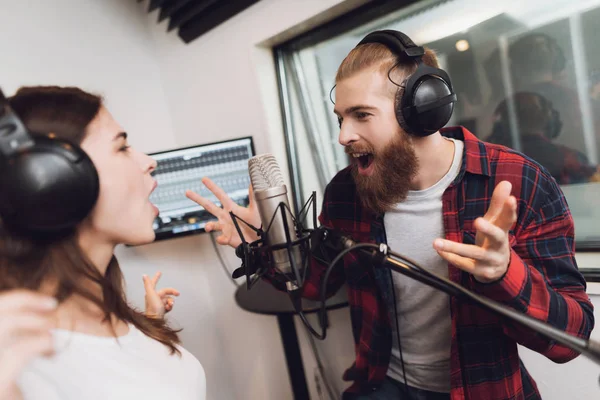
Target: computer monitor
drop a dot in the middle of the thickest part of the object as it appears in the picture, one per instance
(178, 170)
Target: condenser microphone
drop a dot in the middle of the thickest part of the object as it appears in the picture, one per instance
(271, 198)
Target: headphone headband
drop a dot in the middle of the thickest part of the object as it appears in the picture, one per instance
(400, 44)
(13, 134)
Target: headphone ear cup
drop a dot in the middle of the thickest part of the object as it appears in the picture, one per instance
(427, 105)
(48, 189)
(398, 109)
(555, 124)
(560, 61)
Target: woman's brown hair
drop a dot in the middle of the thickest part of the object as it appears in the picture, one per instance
(29, 262)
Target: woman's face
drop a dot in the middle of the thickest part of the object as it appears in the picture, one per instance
(123, 213)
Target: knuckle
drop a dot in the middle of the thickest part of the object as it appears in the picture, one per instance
(481, 253)
(487, 274)
(497, 259)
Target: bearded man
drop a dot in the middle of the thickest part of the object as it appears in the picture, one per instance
(482, 215)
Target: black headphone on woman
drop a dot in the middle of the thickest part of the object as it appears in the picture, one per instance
(427, 101)
(47, 185)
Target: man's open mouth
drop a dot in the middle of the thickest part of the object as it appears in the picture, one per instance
(364, 159)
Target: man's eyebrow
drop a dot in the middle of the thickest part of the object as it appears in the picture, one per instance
(355, 108)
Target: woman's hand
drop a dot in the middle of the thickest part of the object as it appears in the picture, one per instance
(160, 302)
(26, 319)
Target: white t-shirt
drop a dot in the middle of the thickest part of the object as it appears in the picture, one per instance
(423, 312)
(129, 367)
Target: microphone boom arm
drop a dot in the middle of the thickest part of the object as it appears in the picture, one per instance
(394, 261)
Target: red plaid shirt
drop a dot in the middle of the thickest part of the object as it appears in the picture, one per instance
(542, 280)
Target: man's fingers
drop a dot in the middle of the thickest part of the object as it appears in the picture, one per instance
(225, 200)
(204, 202)
(499, 196)
(250, 195)
(26, 300)
(464, 263)
(213, 226)
(508, 215)
(223, 239)
(461, 249)
(493, 236)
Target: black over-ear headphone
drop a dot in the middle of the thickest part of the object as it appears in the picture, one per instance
(427, 101)
(552, 123)
(47, 185)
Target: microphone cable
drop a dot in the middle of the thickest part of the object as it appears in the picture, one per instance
(380, 249)
(221, 260)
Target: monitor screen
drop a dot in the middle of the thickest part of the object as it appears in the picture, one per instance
(178, 170)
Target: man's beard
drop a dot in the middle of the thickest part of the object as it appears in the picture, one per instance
(394, 169)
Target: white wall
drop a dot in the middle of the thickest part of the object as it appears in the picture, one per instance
(170, 94)
(101, 46)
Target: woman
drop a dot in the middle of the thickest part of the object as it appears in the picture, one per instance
(103, 348)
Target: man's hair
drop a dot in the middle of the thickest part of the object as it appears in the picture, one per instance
(377, 55)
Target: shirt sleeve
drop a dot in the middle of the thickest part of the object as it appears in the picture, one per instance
(543, 279)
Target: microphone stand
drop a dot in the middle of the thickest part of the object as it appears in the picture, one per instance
(256, 253)
(383, 256)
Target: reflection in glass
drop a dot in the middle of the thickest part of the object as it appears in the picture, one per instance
(539, 125)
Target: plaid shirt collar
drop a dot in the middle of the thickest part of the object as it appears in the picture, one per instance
(475, 160)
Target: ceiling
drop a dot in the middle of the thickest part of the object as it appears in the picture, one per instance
(193, 18)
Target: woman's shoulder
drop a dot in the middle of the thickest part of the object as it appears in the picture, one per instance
(194, 370)
(188, 358)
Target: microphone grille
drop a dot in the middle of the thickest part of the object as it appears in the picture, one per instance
(264, 172)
